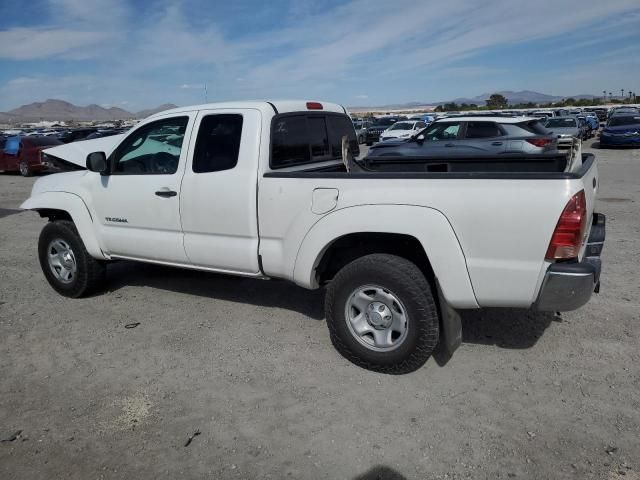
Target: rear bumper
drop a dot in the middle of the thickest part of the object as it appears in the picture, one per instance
(568, 286)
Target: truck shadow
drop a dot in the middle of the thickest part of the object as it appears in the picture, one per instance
(502, 327)
(272, 293)
(505, 327)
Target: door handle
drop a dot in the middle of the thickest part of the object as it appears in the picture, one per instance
(497, 144)
(448, 145)
(165, 192)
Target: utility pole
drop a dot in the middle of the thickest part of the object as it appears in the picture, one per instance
(622, 94)
(205, 94)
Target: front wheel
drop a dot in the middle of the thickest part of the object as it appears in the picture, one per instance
(382, 315)
(65, 262)
(25, 171)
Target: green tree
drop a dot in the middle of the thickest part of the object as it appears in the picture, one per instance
(497, 101)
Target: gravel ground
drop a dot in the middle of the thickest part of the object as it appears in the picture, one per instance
(249, 365)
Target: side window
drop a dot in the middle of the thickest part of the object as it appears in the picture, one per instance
(301, 139)
(218, 143)
(442, 131)
(152, 149)
(421, 126)
(339, 127)
(482, 130)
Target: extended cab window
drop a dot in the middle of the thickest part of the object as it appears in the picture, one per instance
(483, 130)
(152, 149)
(218, 143)
(306, 138)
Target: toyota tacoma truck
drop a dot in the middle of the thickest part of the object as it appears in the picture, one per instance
(273, 190)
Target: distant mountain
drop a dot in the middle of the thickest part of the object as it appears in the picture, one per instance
(60, 110)
(524, 96)
(151, 111)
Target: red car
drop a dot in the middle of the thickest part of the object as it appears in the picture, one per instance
(24, 154)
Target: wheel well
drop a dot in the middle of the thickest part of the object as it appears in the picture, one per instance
(53, 214)
(355, 245)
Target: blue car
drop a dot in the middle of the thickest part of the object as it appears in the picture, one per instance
(621, 130)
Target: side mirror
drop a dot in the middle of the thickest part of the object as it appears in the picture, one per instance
(97, 162)
(420, 138)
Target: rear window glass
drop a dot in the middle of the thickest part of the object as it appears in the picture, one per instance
(561, 122)
(306, 138)
(218, 143)
(534, 126)
(630, 120)
(482, 130)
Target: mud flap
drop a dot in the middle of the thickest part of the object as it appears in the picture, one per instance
(450, 331)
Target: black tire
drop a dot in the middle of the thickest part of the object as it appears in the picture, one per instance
(90, 273)
(369, 144)
(25, 171)
(405, 280)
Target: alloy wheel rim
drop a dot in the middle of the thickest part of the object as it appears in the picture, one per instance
(376, 318)
(62, 261)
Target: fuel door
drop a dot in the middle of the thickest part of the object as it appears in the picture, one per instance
(324, 200)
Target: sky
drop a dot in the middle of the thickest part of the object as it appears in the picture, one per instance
(138, 54)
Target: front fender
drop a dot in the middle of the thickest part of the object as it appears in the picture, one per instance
(76, 208)
(429, 226)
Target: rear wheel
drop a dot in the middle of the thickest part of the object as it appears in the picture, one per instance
(65, 262)
(382, 315)
(25, 171)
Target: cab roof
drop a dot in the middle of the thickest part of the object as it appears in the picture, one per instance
(274, 106)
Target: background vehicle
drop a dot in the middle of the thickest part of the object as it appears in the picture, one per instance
(453, 136)
(621, 130)
(267, 190)
(361, 129)
(380, 125)
(403, 129)
(69, 136)
(426, 118)
(104, 133)
(566, 129)
(24, 154)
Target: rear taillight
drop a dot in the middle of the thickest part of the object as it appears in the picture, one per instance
(539, 142)
(567, 237)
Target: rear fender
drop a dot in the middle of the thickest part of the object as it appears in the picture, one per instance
(76, 208)
(429, 226)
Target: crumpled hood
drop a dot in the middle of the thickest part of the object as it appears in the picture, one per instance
(76, 152)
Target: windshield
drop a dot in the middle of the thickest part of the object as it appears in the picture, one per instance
(561, 123)
(626, 120)
(403, 126)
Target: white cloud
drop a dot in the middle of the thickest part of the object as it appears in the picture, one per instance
(311, 52)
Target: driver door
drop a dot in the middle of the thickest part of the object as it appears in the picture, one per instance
(138, 204)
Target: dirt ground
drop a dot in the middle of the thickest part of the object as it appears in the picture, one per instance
(249, 365)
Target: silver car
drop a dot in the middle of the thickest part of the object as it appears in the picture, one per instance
(473, 135)
(361, 129)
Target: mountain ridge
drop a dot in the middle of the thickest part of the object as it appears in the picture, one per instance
(54, 109)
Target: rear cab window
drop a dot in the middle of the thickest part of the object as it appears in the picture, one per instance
(307, 138)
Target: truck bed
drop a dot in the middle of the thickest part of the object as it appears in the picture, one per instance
(508, 166)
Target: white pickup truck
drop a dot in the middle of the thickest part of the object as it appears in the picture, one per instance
(263, 189)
